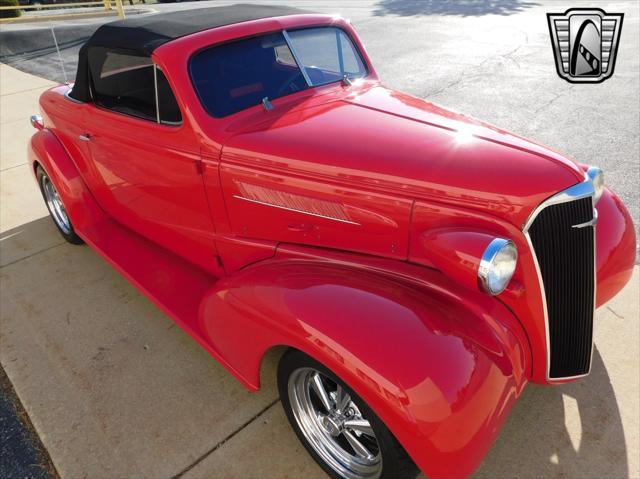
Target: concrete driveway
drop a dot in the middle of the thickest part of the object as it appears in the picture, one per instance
(114, 389)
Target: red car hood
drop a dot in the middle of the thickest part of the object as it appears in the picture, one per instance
(385, 140)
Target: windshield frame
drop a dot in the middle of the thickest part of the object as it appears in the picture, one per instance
(361, 57)
(310, 86)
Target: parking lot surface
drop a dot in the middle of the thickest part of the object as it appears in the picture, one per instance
(115, 389)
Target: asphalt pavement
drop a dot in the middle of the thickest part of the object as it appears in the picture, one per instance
(21, 451)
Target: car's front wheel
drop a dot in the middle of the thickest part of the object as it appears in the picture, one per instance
(336, 426)
(56, 208)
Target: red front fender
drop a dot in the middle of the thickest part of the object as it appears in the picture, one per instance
(615, 246)
(441, 365)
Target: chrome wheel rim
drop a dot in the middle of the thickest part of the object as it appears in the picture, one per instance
(333, 425)
(55, 206)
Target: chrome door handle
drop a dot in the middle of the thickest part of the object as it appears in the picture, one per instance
(85, 137)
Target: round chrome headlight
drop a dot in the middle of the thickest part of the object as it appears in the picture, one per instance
(596, 176)
(497, 265)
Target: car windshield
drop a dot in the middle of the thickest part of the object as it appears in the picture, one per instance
(234, 76)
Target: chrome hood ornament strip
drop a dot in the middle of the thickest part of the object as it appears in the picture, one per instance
(581, 190)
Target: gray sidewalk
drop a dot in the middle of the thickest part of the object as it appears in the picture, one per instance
(115, 389)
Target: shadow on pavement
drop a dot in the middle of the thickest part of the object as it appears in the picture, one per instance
(28, 240)
(570, 430)
(463, 8)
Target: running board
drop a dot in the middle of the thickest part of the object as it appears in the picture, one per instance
(176, 286)
(171, 282)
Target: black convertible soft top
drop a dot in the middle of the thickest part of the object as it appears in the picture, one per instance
(143, 34)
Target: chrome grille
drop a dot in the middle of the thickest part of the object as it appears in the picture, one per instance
(565, 255)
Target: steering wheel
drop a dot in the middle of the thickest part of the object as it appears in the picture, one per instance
(289, 84)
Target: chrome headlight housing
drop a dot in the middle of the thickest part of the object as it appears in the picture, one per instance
(497, 265)
(596, 176)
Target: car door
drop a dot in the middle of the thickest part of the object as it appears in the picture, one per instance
(145, 159)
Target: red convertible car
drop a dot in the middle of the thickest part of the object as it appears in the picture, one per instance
(245, 168)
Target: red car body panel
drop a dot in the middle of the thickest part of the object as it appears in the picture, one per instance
(47, 151)
(366, 317)
(149, 181)
(615, 247)
(379, 282)
(430, 162)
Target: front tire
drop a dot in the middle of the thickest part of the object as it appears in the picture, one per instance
(336, 426)
(56, 207)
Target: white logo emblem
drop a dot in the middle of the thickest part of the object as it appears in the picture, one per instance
(585, 42)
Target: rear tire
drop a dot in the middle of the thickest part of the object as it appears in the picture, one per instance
(56, 207)
(342, 434)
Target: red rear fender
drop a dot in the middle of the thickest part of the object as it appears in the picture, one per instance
(441, 365)
(45, 150)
